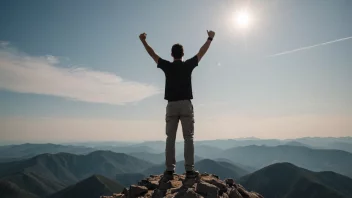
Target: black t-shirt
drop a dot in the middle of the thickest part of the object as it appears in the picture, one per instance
(178, 74)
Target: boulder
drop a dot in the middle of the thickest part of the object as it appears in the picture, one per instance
(189, 183)
(158, 193)
(151, 185)
(225, 195)
(220, 184)
(230, 182)
(244, 193)
(189, 193)
(207, 185)
(137, 191)
(119, 196)
(234, 193)
(206, 189)
(125, 191)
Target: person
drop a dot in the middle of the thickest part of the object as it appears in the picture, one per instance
(178, 93)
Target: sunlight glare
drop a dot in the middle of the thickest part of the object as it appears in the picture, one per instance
(242, 18)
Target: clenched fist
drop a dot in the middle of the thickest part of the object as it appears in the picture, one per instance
(211, 34)
(143, 36)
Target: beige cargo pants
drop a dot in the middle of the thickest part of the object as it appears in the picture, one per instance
(175, 111)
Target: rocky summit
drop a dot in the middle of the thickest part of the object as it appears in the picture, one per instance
(206, 185)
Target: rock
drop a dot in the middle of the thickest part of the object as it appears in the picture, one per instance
(136, 191)
(230, 182)
(206, 189)
(220, 184)
(207, 185)
(165, 185)
(189, 193)
(158, 193)
(169, 184)
(151, 185)
(254, 195)
(119, 196)
(234, 193)
(243, 192)
(224, 195)
(188, 183)
(180, 193)
(259, 195)
(125, 191)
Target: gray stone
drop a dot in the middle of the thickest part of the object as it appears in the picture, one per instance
(253, 195)
(151, 185)
(177, 190)
(208, 190)
(189, 193)
(224, 195)
(158, 193)
(234, 194)
(243, 192)
(136, 191)
(188, 183)
(259, 195)
(220, 184)
(125, 191)
(230, 182)
(116, 196)
(165, 185)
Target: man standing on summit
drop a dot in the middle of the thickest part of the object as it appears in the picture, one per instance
(178, 93)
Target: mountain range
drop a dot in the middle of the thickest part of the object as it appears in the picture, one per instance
(297, 168)
(204, 149)
(48, 173)
(286, 180)
(312, 159)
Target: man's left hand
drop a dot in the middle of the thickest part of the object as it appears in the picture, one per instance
(143, 36)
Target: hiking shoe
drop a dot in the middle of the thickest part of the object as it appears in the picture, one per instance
(192, 174)
(168, 175)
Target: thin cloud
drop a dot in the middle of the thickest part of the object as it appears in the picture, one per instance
(42, 75)
(310, 47)
(4, 44)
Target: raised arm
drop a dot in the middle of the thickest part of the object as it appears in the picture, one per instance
(150, 50)
(206, 45)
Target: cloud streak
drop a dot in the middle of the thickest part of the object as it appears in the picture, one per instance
(42, 75)
(309, 47)
(4, 44)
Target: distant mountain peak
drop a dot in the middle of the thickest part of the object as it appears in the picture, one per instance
(290, 181)
(92, 187)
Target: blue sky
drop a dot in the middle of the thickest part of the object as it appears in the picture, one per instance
(76, 70)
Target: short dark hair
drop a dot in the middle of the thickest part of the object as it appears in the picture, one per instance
(177, 51)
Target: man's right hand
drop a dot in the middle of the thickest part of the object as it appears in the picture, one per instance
(206, 45)
(211, 34)
(143, 36)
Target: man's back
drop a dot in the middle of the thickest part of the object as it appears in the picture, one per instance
(178, 84)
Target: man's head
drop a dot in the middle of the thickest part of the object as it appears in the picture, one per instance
(177, 51)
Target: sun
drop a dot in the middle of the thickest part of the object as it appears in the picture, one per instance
(242, 18)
